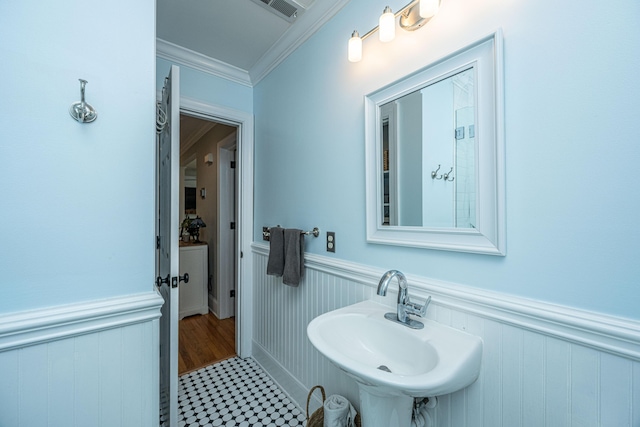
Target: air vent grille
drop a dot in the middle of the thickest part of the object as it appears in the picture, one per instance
(283, 8)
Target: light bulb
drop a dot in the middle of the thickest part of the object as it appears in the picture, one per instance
(428, 8)
(387, 25)
(355, 47)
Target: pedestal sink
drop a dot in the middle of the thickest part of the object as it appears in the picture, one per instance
(391, 363)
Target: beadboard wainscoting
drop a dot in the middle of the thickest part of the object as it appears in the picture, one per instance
(89, 364)
(543, 365)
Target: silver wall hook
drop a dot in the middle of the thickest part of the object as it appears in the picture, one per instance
(81, 111)
(448, 174)
(434, 174)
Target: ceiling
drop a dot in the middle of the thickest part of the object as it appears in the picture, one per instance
(192, 129)
(241, 40)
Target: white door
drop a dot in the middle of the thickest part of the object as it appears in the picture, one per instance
(226, 278)
(167, 247)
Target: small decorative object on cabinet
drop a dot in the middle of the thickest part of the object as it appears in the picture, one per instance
(193, 295)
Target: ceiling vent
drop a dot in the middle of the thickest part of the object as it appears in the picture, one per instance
(285, 9)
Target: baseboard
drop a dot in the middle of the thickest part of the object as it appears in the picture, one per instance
(295, 390)
(52, 323)
(214, 306)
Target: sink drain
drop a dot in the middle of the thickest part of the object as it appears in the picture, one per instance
(384, 368)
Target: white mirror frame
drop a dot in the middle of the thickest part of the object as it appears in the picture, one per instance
(486, 56)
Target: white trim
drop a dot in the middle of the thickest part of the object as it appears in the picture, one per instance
(488, 236)
(295, 390)
(306, 25)
(244, 209)
(189, 58)
(300, 32)
(228, 142)
(611, 334)
(65, 321)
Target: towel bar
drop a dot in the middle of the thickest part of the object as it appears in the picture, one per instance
(266, 232)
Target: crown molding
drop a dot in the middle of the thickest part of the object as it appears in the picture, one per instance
(310, 22)
(189, 58)
(306, 25)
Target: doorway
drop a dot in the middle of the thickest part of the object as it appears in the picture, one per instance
(207, 327)
(244, 123)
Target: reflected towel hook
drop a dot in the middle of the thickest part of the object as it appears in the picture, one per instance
(81, 111)
(446, 175)
(434, 174)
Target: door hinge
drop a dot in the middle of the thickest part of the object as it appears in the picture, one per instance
(233, 164)
(233, 225)
(157, 242)
(241, 254)
(232, 293)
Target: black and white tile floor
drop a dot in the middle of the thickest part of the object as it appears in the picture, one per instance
(234, 393)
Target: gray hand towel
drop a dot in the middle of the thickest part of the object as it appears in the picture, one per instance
(275, 263)
(293, 257)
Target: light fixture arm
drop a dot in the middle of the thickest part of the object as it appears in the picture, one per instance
(410, 20)
(401, 12)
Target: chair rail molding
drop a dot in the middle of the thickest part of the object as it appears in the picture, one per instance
(39, 326)
(611, 334)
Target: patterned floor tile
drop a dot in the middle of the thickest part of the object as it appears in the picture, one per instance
(234, 393)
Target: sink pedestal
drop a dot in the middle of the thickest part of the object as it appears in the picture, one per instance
(379, 409)
(391, 363)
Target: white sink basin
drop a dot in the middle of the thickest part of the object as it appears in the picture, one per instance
(427, 362)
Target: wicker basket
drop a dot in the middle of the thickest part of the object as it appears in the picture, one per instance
(317, 418)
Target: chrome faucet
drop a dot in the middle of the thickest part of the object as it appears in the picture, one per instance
(404, 307)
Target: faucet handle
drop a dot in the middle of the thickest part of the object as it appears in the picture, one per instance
(416, 308)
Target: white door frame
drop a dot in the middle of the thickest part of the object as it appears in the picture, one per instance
(244, 210)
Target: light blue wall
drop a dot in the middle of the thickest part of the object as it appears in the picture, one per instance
(573, 150)
(76, 200)
(208, 88)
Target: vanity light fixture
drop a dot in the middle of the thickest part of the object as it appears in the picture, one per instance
(355, 47)
(429, 8)
(412, 16)
(387, 25)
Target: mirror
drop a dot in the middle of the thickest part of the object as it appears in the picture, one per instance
(435, 155)
(428, 155)
(190, 185)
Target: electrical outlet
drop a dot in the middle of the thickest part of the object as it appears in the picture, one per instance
(331, 241)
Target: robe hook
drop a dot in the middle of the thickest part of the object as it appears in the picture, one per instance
(434, 174)
(446, 175)
(81, 111)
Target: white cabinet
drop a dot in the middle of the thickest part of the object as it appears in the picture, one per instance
(193, 295)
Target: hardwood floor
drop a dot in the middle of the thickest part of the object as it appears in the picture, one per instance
(203, 340)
